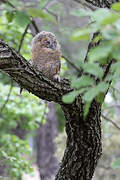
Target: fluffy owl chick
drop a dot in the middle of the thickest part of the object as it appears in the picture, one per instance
(46, 55)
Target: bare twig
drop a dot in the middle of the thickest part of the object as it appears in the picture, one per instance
(115, 89)
(91, 45)
(22, 38)
(113, 106)
(2, 108)
(78, 1)
(49, 3)
(51, 13)
(106, 118)
(105, 167)
(9, 3)
(72, 64)
(35, 26)
(107, 70)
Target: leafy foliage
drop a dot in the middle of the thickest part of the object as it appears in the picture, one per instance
(39, 13)
(27, 106)
(93, 84)
(13, 149)
(21, 18)
(11, 155)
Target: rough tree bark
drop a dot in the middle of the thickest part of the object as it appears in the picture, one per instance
(99, 3)
(83, 148)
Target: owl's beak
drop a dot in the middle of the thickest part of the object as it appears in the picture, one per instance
(52, 46)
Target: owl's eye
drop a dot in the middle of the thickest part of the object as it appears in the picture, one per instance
(47, 42)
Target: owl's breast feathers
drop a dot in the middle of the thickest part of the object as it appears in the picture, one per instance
(46, 60)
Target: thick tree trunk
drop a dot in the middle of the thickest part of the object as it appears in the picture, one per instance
(46, 148)
(83, 147)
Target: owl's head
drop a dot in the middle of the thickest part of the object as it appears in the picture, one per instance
(46, 40)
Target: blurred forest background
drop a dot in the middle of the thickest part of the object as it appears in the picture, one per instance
(32, 135)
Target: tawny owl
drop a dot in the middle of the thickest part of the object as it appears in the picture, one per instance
(46, 55)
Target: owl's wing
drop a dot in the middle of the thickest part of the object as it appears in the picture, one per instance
(55, 68)
(58, 66)
(56, 71)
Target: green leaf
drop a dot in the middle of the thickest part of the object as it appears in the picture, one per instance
(117, 25)
(116, 53)
(9, 15)
(98, 38)
(93, 92)
(100, 97)
(116, 164)
(86, 108)
(111, 19)
(82, 82)
(39, 13)
(81, 12)
(110, 34)
(115, 66)
(93, 69)
(100, 52)
(100, 14)
(109, 77)
(82, 34)
(116, 70)
(90, 94)
(21, 18)
(70, 97)
(116, 6)
(102, 87)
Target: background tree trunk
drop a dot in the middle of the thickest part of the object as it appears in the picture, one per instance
(46, 147)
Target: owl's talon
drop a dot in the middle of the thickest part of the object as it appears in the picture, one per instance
(56, 77)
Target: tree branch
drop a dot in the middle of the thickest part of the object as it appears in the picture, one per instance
(22, 38)
(114, 124)
(27, 77)
(35, 25)
(9, 3)
(99, 3)
(89, 6)
(72, 64)
(52, 13)
(8, 96)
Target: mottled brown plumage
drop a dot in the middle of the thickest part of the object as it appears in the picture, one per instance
(46, 55)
